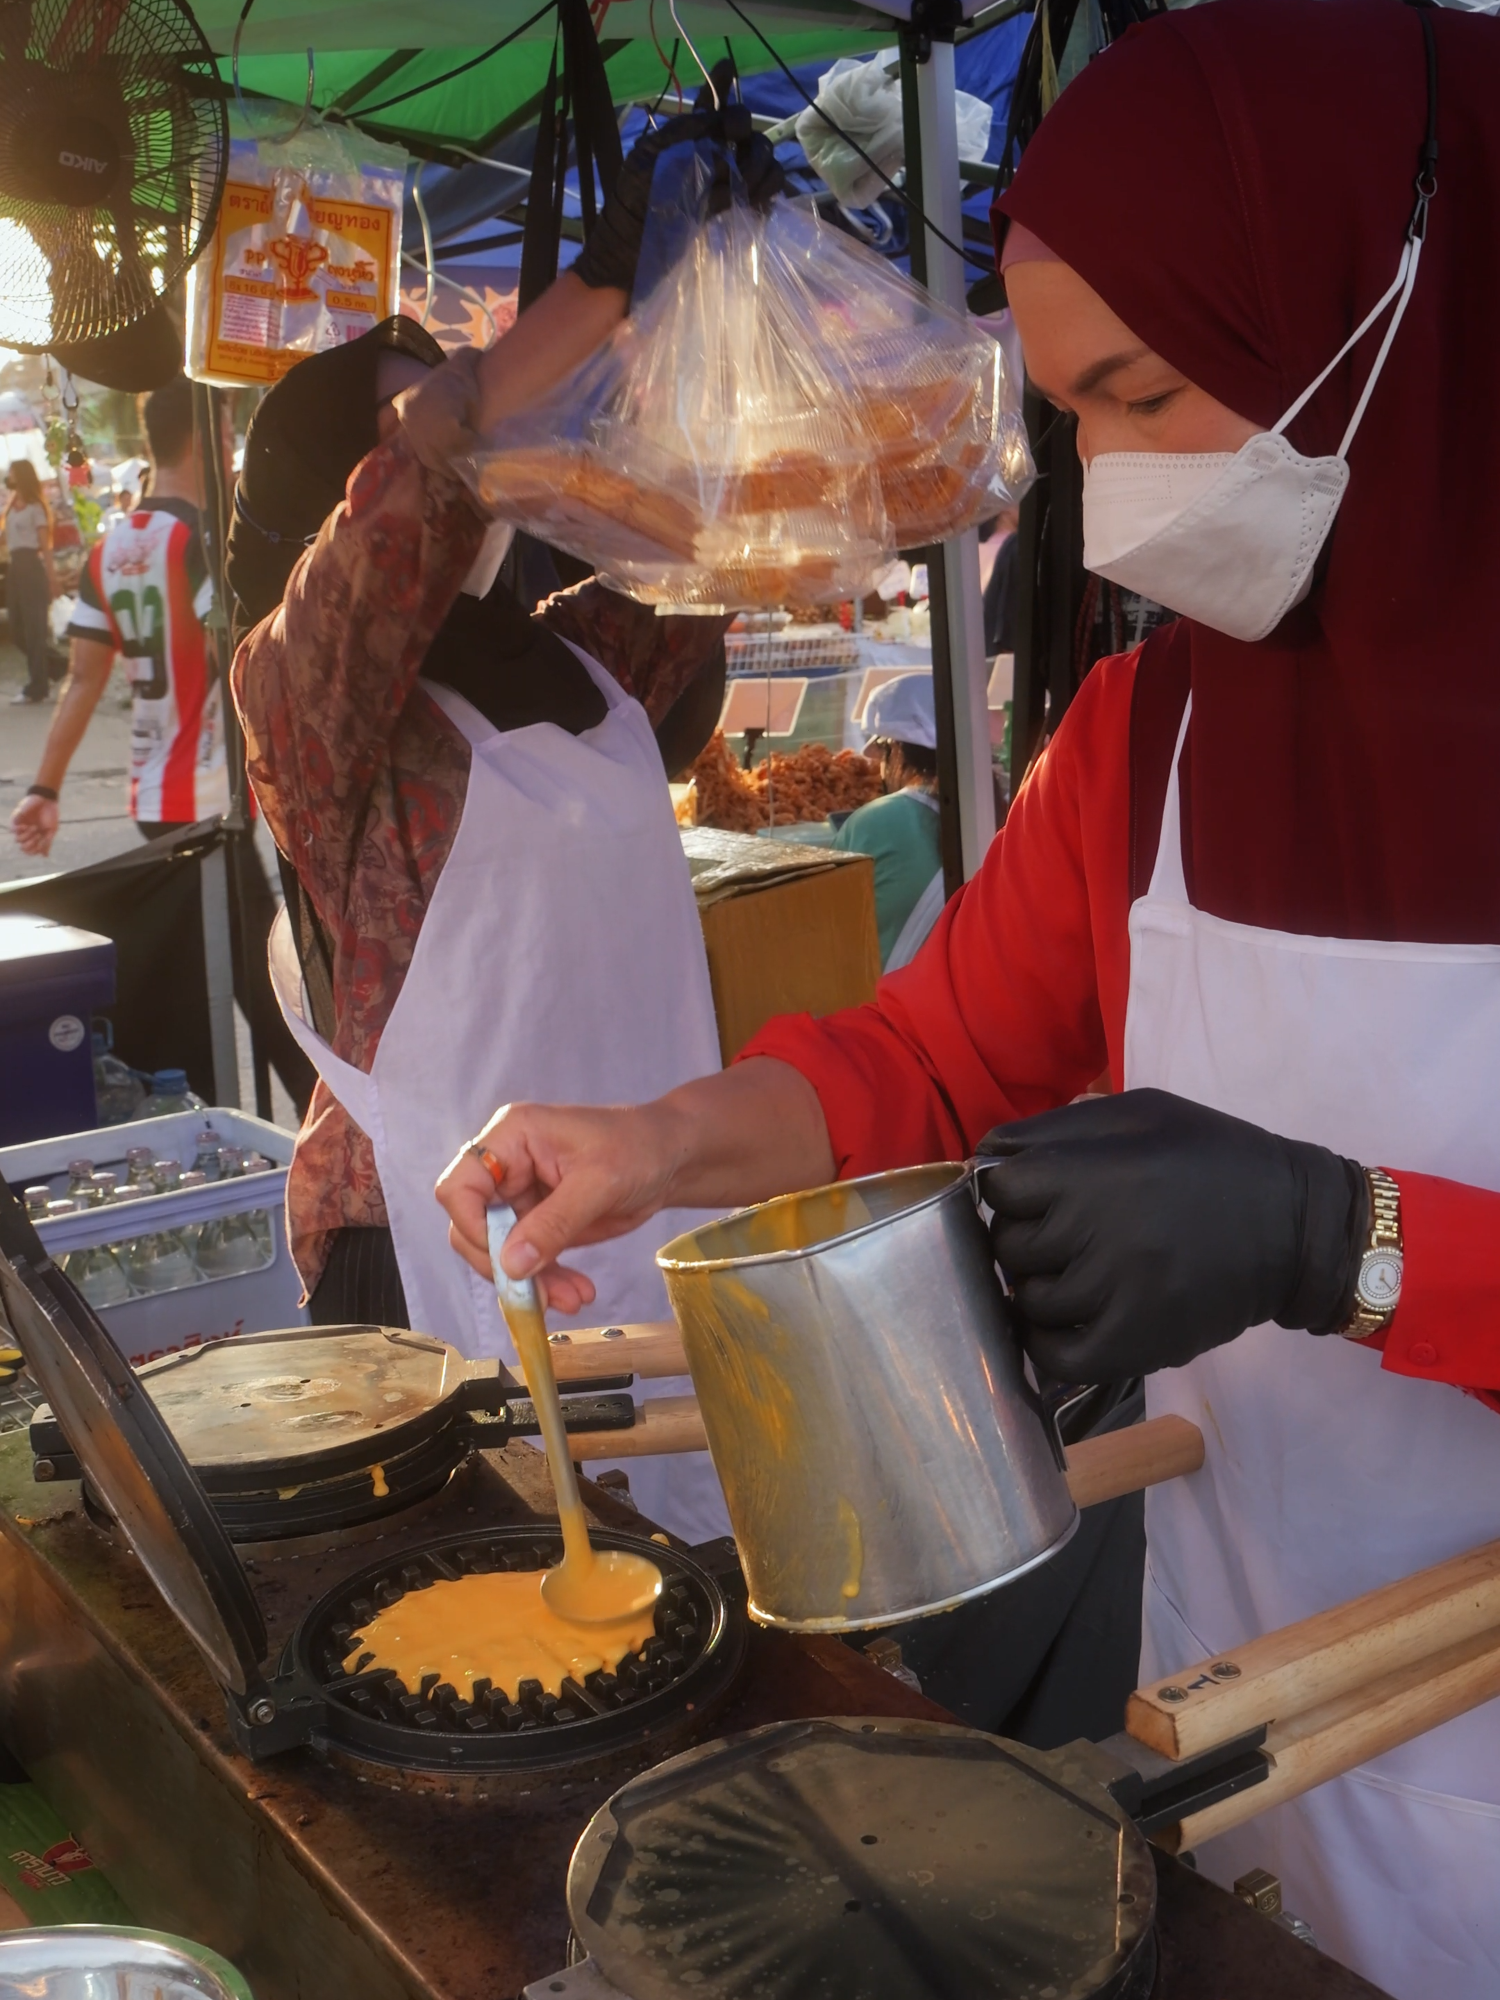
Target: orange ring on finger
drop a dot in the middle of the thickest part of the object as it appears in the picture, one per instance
(490, 1164)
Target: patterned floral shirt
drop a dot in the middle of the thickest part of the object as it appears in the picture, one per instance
(362, 778)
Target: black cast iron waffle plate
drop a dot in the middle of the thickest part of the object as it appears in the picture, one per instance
(677, 1681)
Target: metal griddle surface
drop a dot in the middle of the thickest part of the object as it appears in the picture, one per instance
(268, 1402)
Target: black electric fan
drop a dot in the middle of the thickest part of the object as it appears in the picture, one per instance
(114, 137)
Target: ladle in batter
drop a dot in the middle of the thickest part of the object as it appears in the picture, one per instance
(589, 1586)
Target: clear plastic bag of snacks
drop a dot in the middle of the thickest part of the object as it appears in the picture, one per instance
(938, 402)
(778, 412)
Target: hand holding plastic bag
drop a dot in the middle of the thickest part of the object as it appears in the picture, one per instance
(781, 412)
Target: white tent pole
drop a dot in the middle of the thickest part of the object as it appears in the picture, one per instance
(965, 665)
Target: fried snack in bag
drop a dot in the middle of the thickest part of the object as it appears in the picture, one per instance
(780, 412)
(938, 402)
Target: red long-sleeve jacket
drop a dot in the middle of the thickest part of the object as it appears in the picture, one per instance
(1017, 1003)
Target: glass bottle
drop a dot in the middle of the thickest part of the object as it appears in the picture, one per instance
(190, 1232)
(257, 1163)
(231, 1162)
(98, 1274)
(37, 1197)
(161, 1262)
(66, 1205)
(139, 1161)
(229, 1246)
(106, 1188)
(81, 1178)
(166, 1175)
(208, 1158)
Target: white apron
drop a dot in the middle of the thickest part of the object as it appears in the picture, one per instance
(1325, 1476)
(560, 960)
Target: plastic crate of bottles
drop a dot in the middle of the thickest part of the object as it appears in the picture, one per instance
(174, 1228)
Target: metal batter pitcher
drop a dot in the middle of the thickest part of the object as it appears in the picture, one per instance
(881, 1452)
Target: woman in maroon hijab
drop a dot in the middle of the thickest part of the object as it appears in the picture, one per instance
(1256, 875)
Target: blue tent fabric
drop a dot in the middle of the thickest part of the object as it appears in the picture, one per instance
(461, 203)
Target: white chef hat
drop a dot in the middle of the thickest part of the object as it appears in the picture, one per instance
(901, 712)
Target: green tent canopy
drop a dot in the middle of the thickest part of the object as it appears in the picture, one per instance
(361, 63)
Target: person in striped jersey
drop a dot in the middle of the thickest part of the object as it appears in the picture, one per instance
(144, 595)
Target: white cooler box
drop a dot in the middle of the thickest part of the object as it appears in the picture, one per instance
(151, 1324)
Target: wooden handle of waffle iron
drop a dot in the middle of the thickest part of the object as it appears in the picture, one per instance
(1099, 1468)
(1340, 1652)
(1324, 1742)
(662, 1423)
(653, 1348)
(1124, 1461)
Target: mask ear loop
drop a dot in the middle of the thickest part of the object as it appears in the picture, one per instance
(1406, 271)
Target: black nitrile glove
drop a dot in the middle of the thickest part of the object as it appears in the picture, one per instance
(613, 250)
(1142, 1229)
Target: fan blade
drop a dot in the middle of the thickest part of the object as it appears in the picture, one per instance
(84, 33)
(15, 30)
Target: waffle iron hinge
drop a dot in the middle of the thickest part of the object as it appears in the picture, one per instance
(1158, 1791)
(283, 1713)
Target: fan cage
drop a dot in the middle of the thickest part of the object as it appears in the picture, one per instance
(142, 70)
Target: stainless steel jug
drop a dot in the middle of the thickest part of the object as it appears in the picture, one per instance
(881, 1451)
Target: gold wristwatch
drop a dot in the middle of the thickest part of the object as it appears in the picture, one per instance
(1377, 1292)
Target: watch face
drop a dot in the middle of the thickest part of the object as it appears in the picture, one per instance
(1380, 1281)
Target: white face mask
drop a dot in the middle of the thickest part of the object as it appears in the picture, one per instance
(485, 567)
(1229, 538)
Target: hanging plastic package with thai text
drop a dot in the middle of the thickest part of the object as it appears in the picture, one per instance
(306, 254)
(780, 412)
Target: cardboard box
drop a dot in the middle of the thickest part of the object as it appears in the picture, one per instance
(789, 929)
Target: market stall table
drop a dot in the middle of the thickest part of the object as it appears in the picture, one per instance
(300, 1871)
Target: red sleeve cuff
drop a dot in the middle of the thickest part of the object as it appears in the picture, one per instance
(1447, 1326)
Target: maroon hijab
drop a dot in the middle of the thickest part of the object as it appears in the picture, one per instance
(1235, 181)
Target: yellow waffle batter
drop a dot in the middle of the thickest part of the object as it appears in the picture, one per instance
(497, 1628)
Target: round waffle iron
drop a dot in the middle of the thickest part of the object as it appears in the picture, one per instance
(655, 1699)
(318, 1430)
(861, 1860)
(316, 1695)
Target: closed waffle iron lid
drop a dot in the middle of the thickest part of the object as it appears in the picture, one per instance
(865, 1860)
(313, 1399)
(130, 1456)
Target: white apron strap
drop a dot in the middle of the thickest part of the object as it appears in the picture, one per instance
(913, 933)
(1168, 882)
(354, 1090)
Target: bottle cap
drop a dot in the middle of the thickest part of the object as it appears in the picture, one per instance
(192, 1178)
(80, 1169)
(169, 1082)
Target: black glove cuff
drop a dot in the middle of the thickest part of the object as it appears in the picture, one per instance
(1335, 1229)
(613, 249)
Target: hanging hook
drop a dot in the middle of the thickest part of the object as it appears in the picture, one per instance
(307, 100)
(703, 67)
(242, 102)
(421, 208)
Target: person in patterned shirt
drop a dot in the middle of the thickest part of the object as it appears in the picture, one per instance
(361, 779)
(486, 885)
